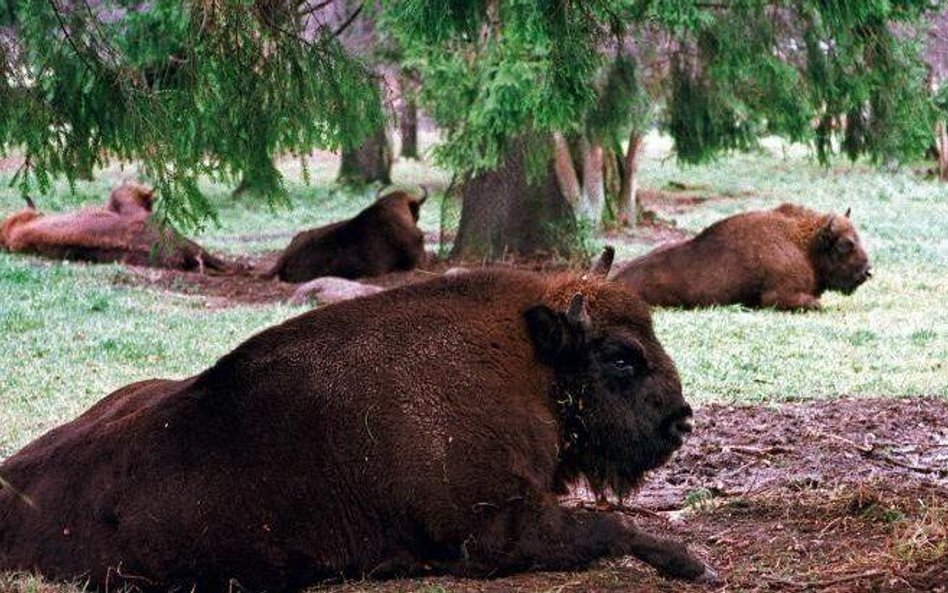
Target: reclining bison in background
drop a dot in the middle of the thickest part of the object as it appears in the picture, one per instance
(424, 428)
(382, 238)
(783, 258)
(122, 231)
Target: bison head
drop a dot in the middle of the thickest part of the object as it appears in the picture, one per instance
(841, 261)
(131, 198)
(617, 393)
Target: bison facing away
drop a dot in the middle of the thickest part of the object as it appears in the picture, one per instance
(121, 231)
(382, 238)
(783, 258)
(425, 428)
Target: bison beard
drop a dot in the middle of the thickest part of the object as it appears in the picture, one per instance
(382, 238)
(415, 430)
(783, 258)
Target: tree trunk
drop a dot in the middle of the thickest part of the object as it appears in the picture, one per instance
(566, 171)
(627, 213)
(594, 188)
(941, 139)
(369, 163)
(408, 117)
(505, 212)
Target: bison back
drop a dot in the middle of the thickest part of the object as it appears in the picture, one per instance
(326, 445)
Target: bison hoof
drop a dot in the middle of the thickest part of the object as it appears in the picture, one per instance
(709, 577)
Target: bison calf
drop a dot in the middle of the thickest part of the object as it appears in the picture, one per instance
(382, 238)
(783, 258)
(425, 428)
(121, 231)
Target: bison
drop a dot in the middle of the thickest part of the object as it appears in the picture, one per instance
(426, 428)
(121, 231)
(382, 238)
(783, 258)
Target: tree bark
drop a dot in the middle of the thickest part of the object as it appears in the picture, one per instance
(566, 171)
(369, 163)
(594, 188)
(505, 212)
(941, 139)
(627, 213)
(408, 116)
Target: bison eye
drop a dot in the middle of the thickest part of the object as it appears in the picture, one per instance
(623, 360)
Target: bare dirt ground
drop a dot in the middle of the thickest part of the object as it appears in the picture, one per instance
(844, 495)
(248, 288)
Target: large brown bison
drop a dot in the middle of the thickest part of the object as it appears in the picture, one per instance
(382, 238)
(425, 428)
(121, 231)
(783, 258)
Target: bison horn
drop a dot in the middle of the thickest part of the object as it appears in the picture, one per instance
(29, 202)
(848, 211)
(424, 194)
(603, 264)
(577, 315)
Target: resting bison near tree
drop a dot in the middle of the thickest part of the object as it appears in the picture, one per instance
(424, 428)
(783, 258)
(122, 231)
(382, 238)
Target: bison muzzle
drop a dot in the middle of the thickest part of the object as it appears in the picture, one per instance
(425, 428)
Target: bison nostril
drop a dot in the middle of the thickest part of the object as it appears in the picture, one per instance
(684, 425)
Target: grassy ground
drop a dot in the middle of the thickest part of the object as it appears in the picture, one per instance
(71, 333)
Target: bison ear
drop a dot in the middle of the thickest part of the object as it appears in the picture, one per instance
(604, 263)
(556, 334)
(826, 234)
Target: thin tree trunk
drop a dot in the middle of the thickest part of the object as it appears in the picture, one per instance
(627, 213)
(408, 118)
(369, 163)
(941, 138)
(566, 171)
(505, 212)
(594, 189)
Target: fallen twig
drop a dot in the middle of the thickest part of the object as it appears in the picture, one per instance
(870, 452)
(822, 584)
(756, 451)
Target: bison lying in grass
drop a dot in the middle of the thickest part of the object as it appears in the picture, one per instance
(425, 428)
(382, 238)
(121, 231)
(783, 258)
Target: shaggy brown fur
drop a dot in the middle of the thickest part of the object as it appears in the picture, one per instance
(382, 238)
(122, 231)
(425, 428)
(783, 258)
(130, 198)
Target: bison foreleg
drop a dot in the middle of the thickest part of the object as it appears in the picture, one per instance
(560, 539)
(799, 301)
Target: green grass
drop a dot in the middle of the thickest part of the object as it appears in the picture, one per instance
(888, 339)
(71, 333)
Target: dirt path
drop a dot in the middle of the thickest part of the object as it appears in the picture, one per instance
(844, 495)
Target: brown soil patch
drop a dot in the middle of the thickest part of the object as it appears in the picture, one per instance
(248, 288)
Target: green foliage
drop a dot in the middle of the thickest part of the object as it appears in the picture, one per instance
(491, 77)
(188, 89)
(738, 71)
